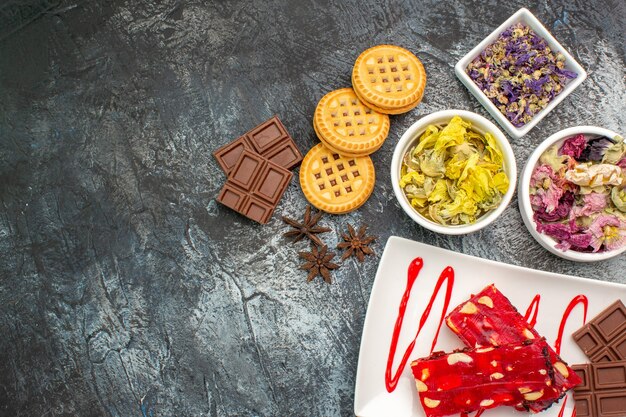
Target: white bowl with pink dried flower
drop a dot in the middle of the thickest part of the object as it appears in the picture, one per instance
(572, 194)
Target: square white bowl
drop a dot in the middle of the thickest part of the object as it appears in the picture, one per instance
(526, 17)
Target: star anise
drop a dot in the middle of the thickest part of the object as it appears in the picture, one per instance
(318, 263)
(307, 228)
(356, 244)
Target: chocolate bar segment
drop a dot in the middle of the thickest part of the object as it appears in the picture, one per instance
(267, 134)
(228, 155)
(270, 139)
(489, 319)
(254, 187)
(603, 338)
(603, 390)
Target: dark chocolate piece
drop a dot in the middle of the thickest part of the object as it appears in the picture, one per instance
(603, 339)
(270, 139)
(254, 187)
(603, 390)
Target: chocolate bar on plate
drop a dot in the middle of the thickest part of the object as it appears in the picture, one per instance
(603, 391)
(485, 377)
(603, 339)
(254, 186)
(270, 139)
(489, 319)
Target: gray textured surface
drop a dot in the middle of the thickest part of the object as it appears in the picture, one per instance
(125, 289)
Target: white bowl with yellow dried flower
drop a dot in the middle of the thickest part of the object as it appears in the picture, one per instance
(453, 172)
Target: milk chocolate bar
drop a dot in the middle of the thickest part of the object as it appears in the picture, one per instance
(603, 390)
(254, 186)
(603, 339)
(270, 139)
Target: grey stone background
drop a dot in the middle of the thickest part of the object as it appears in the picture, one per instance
(125, 289)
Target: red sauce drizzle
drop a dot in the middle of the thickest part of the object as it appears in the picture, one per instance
(533, 309)
(579, 299)
(391, 381)
(563, 407)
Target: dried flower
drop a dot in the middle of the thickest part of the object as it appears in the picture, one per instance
(454, 174)
(609, 231)
(596, 148)
(519, 73)
(573, 146)
(582, 203)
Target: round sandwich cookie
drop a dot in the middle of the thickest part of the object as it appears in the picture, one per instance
(347, 126)
(389, 79)
(334, 183)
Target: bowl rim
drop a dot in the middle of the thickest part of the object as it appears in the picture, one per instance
(522, 15)
(523, 195)
(413, 133)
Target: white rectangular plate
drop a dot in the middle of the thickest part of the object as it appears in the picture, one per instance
(471, 274)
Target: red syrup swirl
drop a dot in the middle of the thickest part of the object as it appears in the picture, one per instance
(533, 309)
(579, 299)
(563, 408)
(447, 275)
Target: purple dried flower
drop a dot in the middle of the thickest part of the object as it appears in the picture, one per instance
(520, 66)
(595, 149)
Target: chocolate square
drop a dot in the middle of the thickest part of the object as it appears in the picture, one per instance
(272, 182)
(611, 322)
(232, 197)
(267, 134)
(588, 340)
(287, 156)
(619, 347)
(611, 404)
(257, 210)
(584, 405)
(228, 155)
(247, 170)
(583, 371)
(610, 375)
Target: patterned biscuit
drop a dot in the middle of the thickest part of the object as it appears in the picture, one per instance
(348, 126)
(399, 110)
(334, 183)
(389, 78)
(317, 132)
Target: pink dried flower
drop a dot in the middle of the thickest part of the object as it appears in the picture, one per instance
(608, 231)
(593, 203)
(574, 146)
(548, 189)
